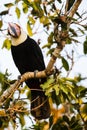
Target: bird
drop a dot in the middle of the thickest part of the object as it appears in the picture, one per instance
(27, 56)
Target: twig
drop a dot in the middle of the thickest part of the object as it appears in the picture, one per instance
(72, 62)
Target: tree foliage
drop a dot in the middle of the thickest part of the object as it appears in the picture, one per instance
(63, 25)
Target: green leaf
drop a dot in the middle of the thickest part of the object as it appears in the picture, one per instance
(83, 92)
(29, 29)
(7, 44)
(25, 7)
(70, 4)
(8, 5)
(37, 9)
(48, 45)
(4, 12)
(27, 2)
(17, 10)
(59, 1)
(50, 38)
(85, 46)
(82, 31)
(84, 109)
(73, 32)
(68, 40)
(47, 84)
(1, 23)
(65, 64)
(64, 89)
(75, 124)
(31, 20)
(77, 13)
(85, 26)
(56, 88)
(45, 9)
(44, 20)
(22, 120)
(50, 51)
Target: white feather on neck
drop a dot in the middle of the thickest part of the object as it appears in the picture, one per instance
(20, 39)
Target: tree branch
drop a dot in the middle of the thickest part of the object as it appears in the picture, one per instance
(9, 92)
(74, 8)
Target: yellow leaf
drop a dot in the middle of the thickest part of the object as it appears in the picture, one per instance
(2, 113)
(44, 20)
(25, 8)
(22, 119)
(29, 29)
(30, 0)
(57, 113)
(17, 10)
(31, 19)
(7, 44)
(83, 110)
(0, 23)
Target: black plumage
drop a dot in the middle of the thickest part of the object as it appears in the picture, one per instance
(28, 58)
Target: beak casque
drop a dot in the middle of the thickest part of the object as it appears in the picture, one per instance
(14, 30)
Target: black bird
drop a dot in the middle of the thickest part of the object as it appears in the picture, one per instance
(28, 57)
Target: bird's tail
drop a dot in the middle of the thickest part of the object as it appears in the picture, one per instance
(40, 107)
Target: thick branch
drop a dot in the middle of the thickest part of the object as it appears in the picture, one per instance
(74, 8)
(9, 92)
(53, 59)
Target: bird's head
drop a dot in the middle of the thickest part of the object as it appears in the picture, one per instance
(14, 30)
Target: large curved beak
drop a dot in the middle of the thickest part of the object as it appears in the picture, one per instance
(14, 30)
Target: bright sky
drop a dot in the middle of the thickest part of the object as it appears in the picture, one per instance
(6, 60)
